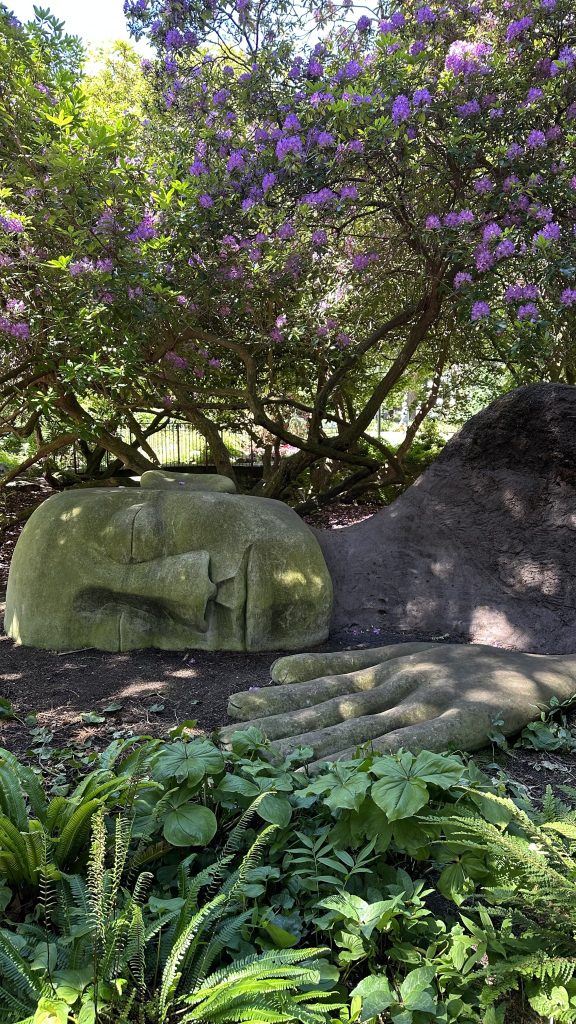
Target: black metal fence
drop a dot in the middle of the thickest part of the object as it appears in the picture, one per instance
(177, 444)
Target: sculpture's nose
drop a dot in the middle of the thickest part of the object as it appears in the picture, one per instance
(179, 582)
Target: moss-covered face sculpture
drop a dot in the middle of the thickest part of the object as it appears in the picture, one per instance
(122, 569)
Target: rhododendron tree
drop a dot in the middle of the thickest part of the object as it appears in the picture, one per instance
(317, 203)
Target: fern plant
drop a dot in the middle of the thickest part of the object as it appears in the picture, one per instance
(531, 885)
(109, 958)
(33, 828)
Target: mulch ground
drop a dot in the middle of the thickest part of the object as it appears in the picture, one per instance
(149, 692)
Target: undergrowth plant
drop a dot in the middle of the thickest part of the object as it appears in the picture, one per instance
(405, 888)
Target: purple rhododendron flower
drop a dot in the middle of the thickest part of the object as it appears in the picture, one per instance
(550, 233)
(348, 192)
(535, 139)
(291, 145)
(325, 139)
(143, 231)
(400, 109)
(516, 28)
(513, 151)
(433, 222)
(466, 58)
(568, 297)
(504, 249)
(392, 24)
(422, 97)
(291, 123)
(268, 182)
(11, 225)
(468, 109)
(518, 292)
(363, 24)
(417, 47)
(425, 15)
(483, 185)
(527, 312)
(491, 231)
(480, 310)
(286, 231)
(236, 162)
(206, 201)
(319, 237)
(462, 278)
(484, 258)
(314, 69)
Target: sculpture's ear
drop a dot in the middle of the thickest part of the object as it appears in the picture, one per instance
(164, 480)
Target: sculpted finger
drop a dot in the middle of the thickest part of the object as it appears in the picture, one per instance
(315, 718)
(274, 700)
(353, 732)
(297, 668)
(454, 729)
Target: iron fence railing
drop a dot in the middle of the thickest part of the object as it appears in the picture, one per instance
(179, 444)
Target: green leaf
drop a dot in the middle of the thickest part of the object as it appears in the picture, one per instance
(51, 1011)
(415, 990)
(91, 718)
(350, 794)
(399, 793)
(455, 884)
(188, 762)
(190, 825)
(441, 770)
(376, 996)
(281, 938)
(275, 809)
(6, 709)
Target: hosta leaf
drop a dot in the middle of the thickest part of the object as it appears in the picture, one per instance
(275, 809)
(190, 825)
(188, 762)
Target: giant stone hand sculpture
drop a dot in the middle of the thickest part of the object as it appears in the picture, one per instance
(481, 547)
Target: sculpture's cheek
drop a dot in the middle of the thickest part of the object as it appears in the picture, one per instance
(289, 599)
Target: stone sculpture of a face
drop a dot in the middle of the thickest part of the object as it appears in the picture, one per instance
(123, 569)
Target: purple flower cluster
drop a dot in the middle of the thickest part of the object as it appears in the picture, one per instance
(20, 330)
(535, 140)
(568, 297)
(529, 311)
(363, 260)
(519, 292)
(290, 146)
(462, 278)
(480, 310)
(323, 197)
(549, 233)
(393, 24)
(11, 225)
(516, 28)
(468, 109)
(465, 58)
(145, 230)
(400, 109)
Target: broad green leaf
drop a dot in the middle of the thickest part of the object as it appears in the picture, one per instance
(190, 825)
(275, 809)
(51, 1011)
(415, 990)
(441, 770)
(281, 938)
(349, 795)
(188, 762)
(399, 795)
(376, 996)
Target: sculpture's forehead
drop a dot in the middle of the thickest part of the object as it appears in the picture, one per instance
(99, 510)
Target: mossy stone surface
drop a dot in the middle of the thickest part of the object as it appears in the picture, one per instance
(124, 569)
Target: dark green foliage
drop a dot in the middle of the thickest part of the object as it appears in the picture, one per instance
(408, 885)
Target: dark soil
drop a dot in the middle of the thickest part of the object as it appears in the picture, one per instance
(158, 690)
